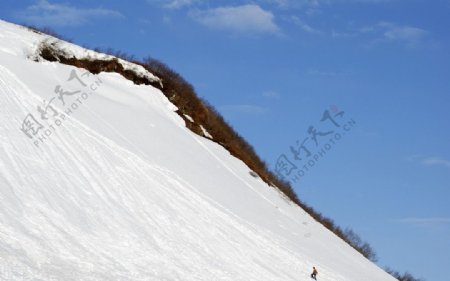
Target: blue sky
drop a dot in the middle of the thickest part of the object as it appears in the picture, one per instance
(272, 67)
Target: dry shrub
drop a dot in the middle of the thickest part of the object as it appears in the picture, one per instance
(402, 277)
(47, 31)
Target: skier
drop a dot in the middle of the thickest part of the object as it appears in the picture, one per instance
(314, 273)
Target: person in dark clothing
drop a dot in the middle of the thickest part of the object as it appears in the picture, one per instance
(314, 273)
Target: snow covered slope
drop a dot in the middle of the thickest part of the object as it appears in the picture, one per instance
(101, 180)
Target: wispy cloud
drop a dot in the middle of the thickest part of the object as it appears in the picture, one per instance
(424, 221)
(429, 161)
(317, 3)
(343, 34)
(304, 26)
(293, 3)
(385, 32)
(362, 1)
(404, 33)
(244, 109)
(240, 19)
(45, 13)
(323, 73)
(271, 95)
(175, 4)
(283, 4)
(410, 36)
(436, 161)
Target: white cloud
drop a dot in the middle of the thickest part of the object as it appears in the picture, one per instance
(244, 109)
(242, 19)
(46, 13)
(436, 161)
(429, 161)
(408, 34)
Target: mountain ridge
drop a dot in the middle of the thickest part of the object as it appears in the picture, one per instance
(122, 190)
